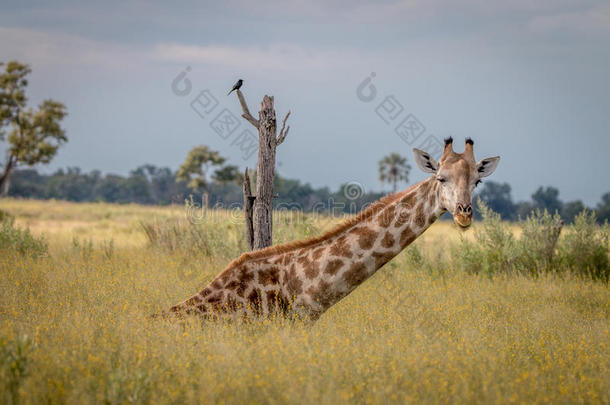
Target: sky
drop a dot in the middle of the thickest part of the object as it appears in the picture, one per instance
(144, 82)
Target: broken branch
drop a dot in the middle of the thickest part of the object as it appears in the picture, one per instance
(283, 131)
(246, 113)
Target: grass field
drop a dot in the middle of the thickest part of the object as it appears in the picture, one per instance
(75, 325)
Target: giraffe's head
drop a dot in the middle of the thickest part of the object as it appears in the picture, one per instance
(457, 174)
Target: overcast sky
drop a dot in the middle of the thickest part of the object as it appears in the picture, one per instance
(529, 81)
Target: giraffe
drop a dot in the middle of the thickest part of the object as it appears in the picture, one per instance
(308, 277)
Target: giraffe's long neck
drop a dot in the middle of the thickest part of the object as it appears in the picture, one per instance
(370, 244)
(317, 277)
(400, 223)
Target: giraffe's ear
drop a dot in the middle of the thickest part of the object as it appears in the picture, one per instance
(425, 161)
(487, 166)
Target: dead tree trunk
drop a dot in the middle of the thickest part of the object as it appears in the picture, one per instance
(260, 219)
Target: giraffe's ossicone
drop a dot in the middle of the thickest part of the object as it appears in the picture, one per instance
(307, 277)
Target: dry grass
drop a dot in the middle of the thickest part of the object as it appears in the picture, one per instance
(436, 336)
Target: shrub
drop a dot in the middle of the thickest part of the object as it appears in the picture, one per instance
(585, 247)
(536, 247)
(13, 239)
(583, 250)
(493, 250)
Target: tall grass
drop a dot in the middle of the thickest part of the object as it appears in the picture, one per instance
(417, 332)
(14, 366)
(189, 238)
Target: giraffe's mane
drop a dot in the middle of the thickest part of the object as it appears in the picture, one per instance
(309, 242)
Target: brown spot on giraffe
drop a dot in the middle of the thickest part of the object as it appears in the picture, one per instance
(233, 285)
(294, 285)
(276, 302)
(303, 260)
(407, 236)
(246, 276)
(270, 276)
(317, 253)
(215, 301)
(215, 298)
(333, 266)
(382, 258)
(420, 218)
(356, 274)
(324, 294)
(194, 300)
(388, 240)
(240, 290)
(255, 301)
(311, 270)
(225, 276)
(340, 248)
(366, 236)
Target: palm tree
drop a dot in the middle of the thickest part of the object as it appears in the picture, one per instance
(393, 169)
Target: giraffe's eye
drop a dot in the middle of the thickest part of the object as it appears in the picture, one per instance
(441, 179)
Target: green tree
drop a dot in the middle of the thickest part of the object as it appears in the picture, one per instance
(228, 174)
(71, 184)
(497, 197)
(524, 209)
(195, 168)
(547, 198)
(603, 209)
(570, 210)
(163, 187)
(34, 136)
(393, 169)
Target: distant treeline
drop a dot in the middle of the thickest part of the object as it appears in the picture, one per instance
(149, 184)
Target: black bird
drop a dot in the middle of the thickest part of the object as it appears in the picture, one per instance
(236, 86)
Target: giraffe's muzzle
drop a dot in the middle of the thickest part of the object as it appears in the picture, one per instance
(463, 215)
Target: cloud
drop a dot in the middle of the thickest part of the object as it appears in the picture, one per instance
(52, 49)
(274, 57)
(593, 22)
(57, 50)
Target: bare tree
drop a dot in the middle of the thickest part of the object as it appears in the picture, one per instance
(258, 208)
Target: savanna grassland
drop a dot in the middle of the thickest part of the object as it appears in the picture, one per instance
(456, 318)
